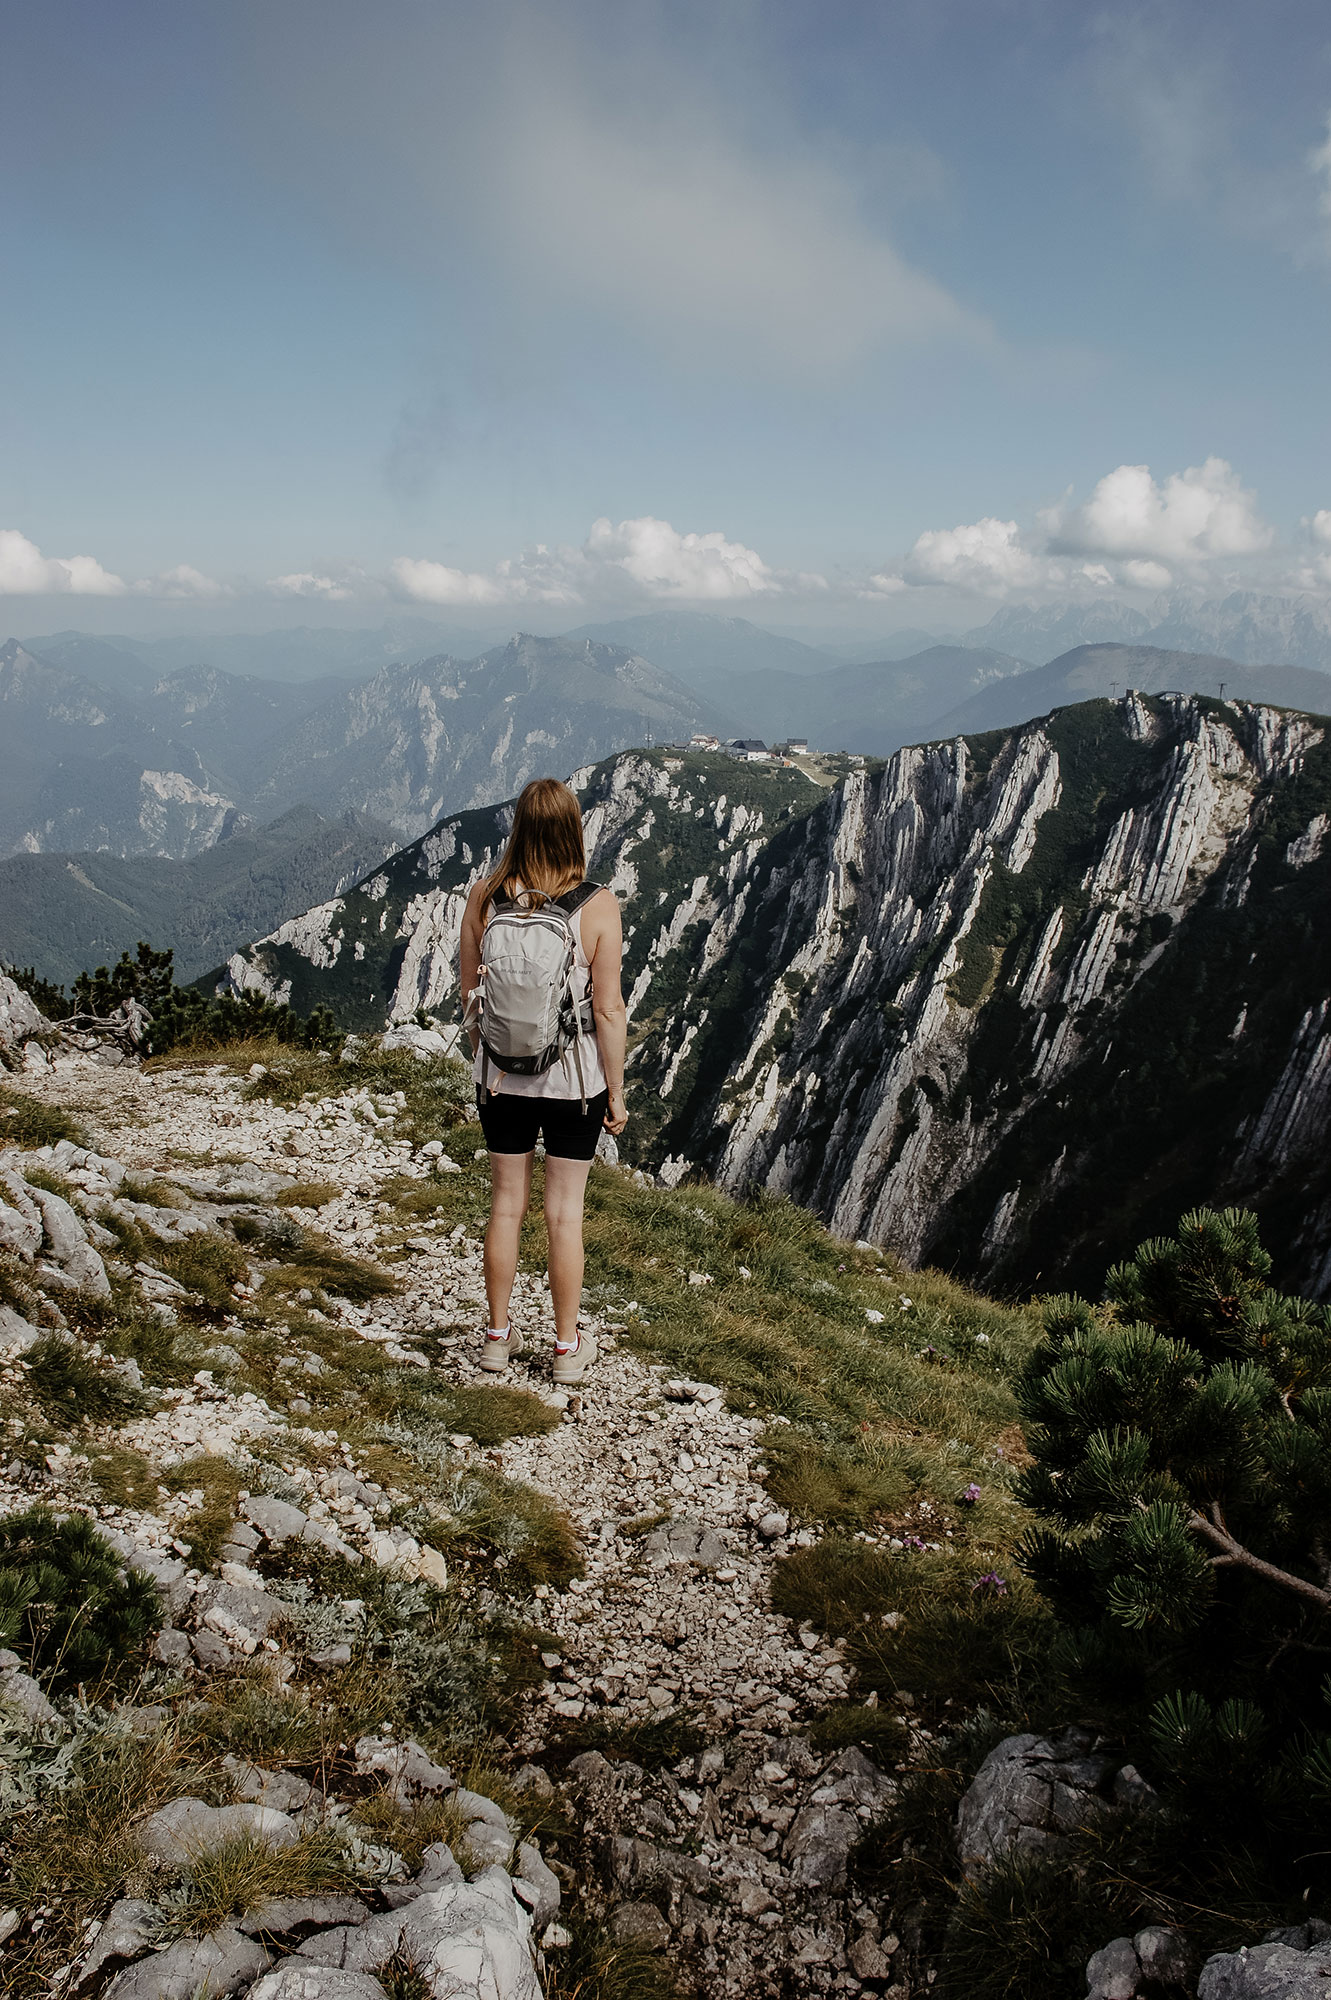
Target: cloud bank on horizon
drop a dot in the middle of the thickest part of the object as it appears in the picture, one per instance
(1132, 534)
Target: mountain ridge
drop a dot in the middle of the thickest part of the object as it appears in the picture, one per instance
(887, 1001)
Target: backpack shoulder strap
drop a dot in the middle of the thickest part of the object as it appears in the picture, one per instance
(573, 899)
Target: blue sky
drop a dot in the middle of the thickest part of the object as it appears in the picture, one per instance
(854, 314)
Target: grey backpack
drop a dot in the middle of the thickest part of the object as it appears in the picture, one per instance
(526, 1005)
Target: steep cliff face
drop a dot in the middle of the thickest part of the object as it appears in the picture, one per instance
(672, 833)
(1019, 1000)
(1005, 1003)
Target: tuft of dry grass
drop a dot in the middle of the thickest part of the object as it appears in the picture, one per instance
(217, 1482)
(27, 1121)
(242, 1873)
(410, 1829)
(307, 1194)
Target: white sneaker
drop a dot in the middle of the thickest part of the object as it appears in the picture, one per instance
(571, 1367)
(496, 1354)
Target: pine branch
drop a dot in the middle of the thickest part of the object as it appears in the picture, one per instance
(1233, 1553)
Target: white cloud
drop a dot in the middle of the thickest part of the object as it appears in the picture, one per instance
(985, 555)
(26, 572)
(182, 581)
(665, 563)
(1187, 519)
(304, 583)
(1132, 533)
(638, 560)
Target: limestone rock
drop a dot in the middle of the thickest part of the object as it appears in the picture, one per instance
(819, 1843)
(284, 1791)
(1029, 1793)
(477, 1806)
(1114, 1972)
(1267, 1972)
(219, 1966)
(297, 1979)
(488, 1844)
(17, 1334)
(470, 1940)
(177, 1832)
(641, 1924)
(65, 1243)
(284, 1916)
(127, 1933)
(438, 1868)
(19, 1016)
(410, 1770)
(536, 1885)
(20, 1691)
(20, 1217)
(1165, 1955)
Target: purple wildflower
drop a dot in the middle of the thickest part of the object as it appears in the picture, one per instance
(991, 1584)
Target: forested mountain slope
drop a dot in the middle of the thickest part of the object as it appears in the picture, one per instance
(65, 913)
(1006, 1003)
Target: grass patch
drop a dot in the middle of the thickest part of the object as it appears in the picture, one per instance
(26, 1121)
(206, 1265)
(17, 1290)
(410, 1829)
(318, 1266)
(649, 1740)
(53, 1183)
(503, 1530)
(152, 1194)
(594, 1967)
(307, 1194)
(876, 1731)
(253, 1716)
(123, 1477)
(489, 1414)
(73, 1853)
(216, 1484)
(926, 1622)
(73, 1389)
(240, 1874)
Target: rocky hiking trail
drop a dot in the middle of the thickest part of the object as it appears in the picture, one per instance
(725, 1848)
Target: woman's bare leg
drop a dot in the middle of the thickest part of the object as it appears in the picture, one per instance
(510, 1190)
(565, 1184)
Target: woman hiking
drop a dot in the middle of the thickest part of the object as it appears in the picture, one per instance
(540, 943)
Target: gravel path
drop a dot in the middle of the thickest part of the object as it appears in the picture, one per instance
(664, 1486)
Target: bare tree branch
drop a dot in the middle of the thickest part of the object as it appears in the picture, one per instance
(1233, 1552)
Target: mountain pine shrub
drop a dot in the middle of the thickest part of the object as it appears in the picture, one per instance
(67, 1603)
(185, 1017)
(1181, 1437)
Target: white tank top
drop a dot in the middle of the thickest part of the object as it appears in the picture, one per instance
(561, 1079)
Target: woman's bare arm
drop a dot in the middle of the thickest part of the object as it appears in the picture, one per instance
(470, 967)
(603, 942)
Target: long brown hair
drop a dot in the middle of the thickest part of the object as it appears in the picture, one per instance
(546, 852)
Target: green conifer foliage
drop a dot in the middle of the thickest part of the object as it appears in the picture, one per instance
(67, 1604)
(1182, 1443)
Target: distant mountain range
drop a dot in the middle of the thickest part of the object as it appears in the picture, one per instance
(299, 653)
(165, 772)
(1249, 626)
(63, 913)
(165, 765)
(1112, 669)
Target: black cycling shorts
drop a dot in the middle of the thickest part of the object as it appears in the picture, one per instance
(511, 1123)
